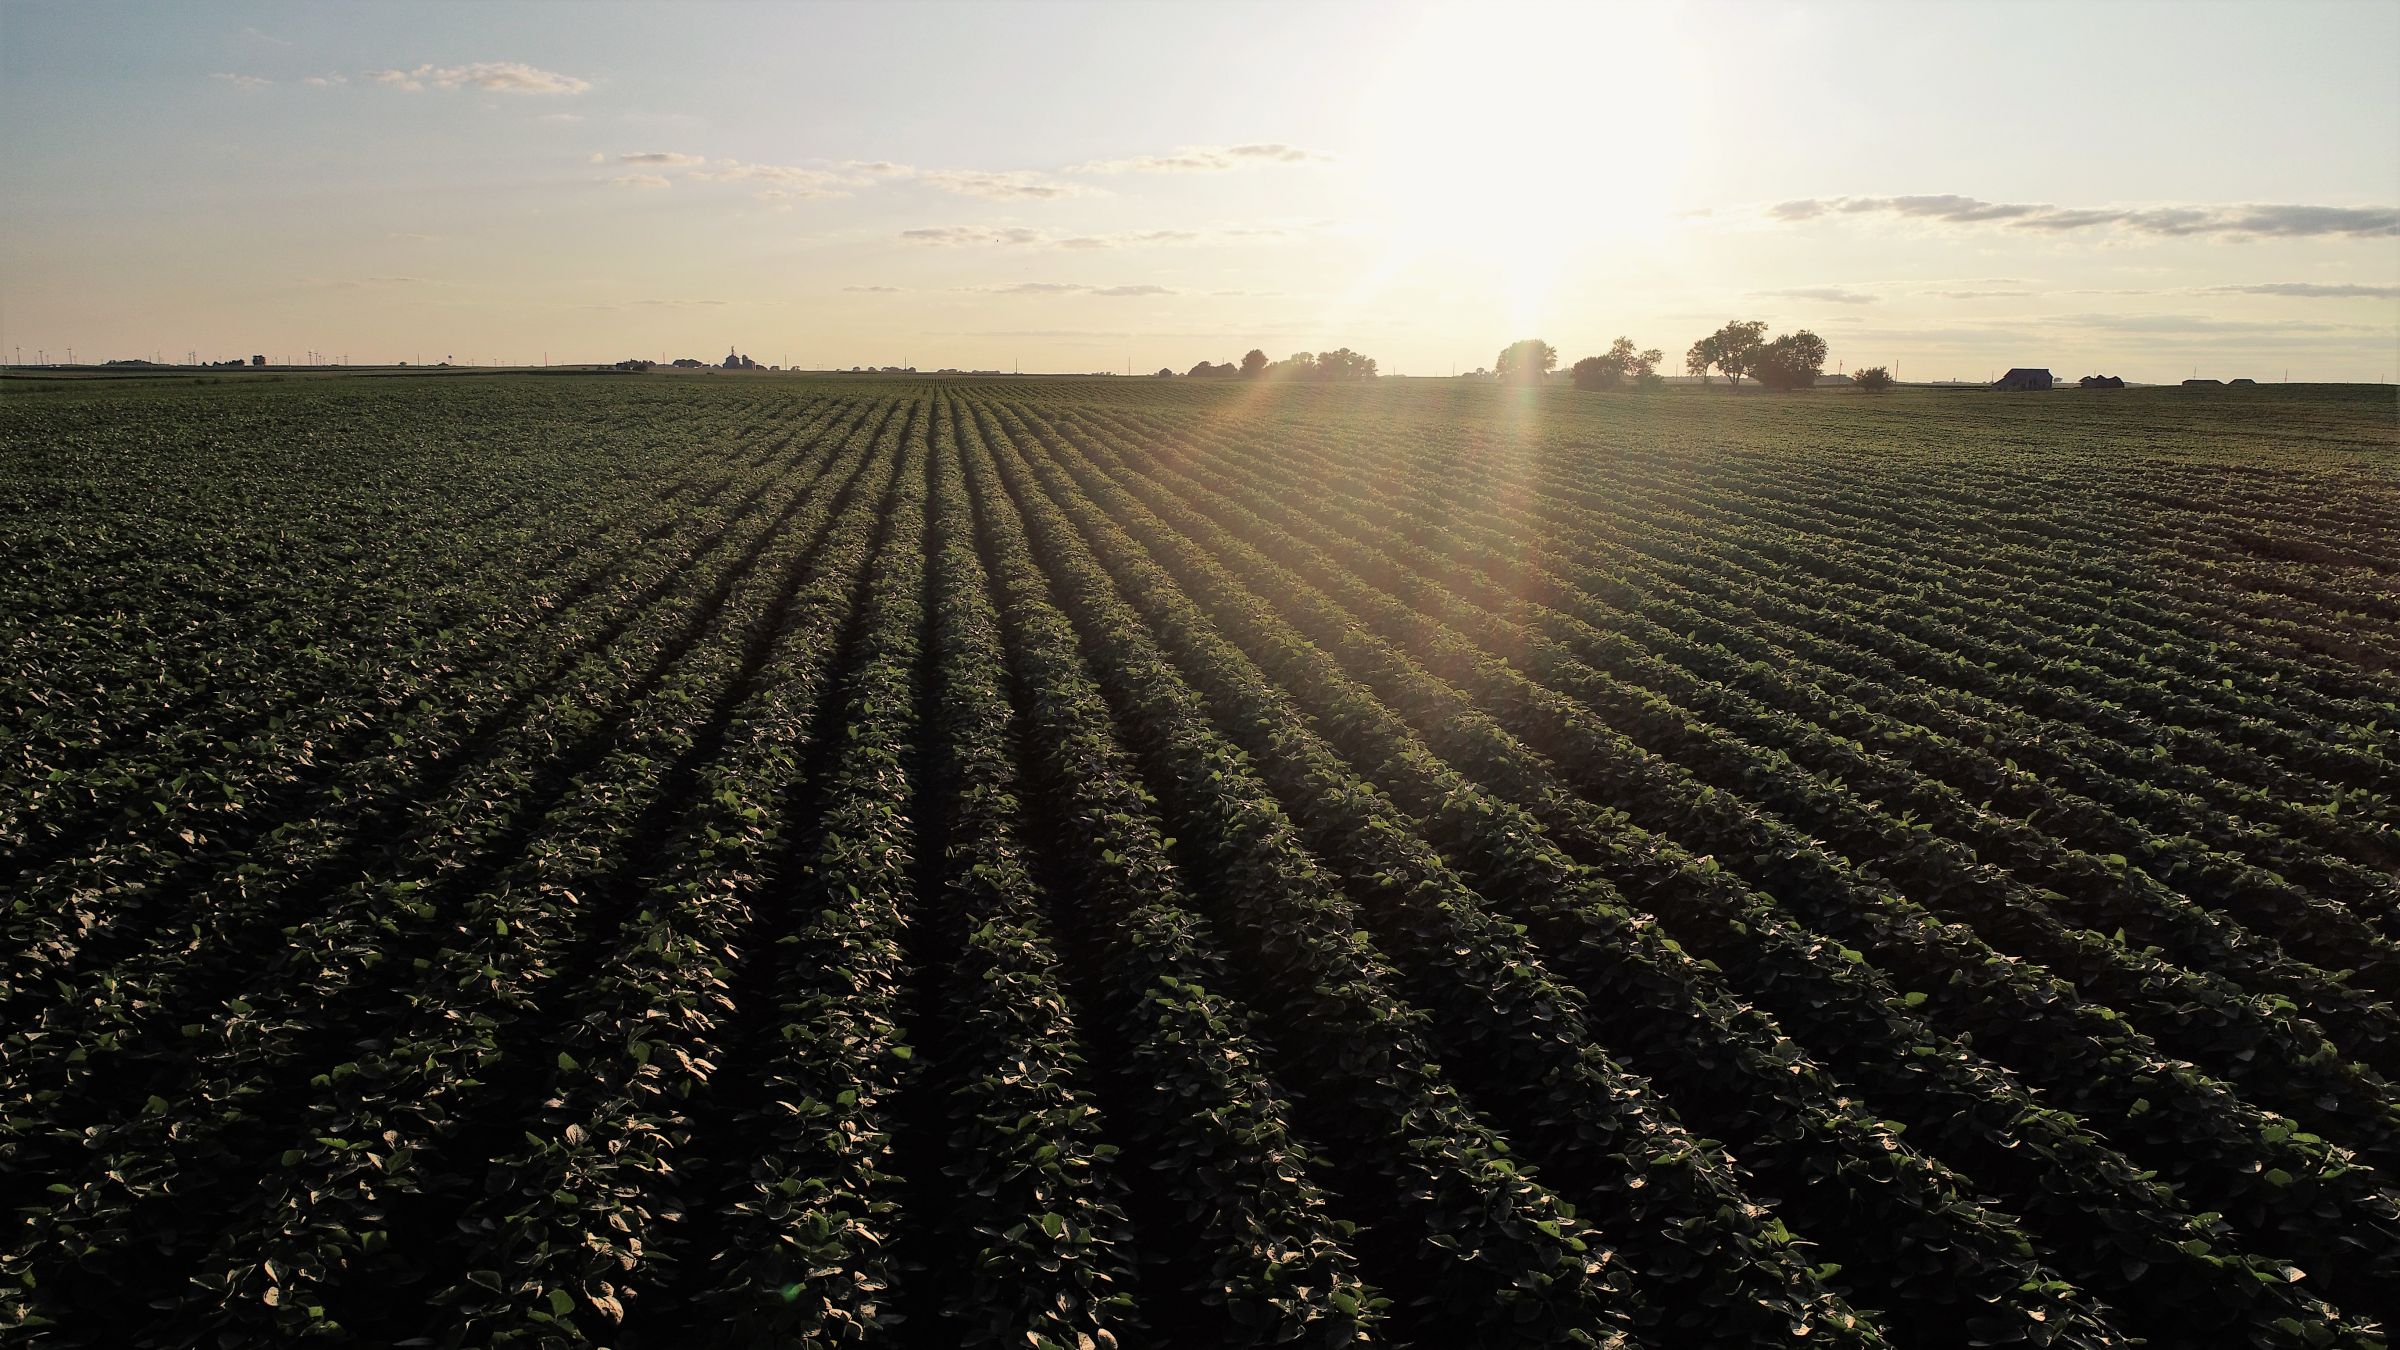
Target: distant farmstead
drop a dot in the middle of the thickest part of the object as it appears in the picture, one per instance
(2024, 377)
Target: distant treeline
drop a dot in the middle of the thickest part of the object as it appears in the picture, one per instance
(1334, 366)
(1741, 349)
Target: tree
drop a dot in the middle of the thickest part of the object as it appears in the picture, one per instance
(1297, 366)
(1254, 364)
(1873, 379)
(1733, 348)
(1345, 364)
(1792, 361)
(1701, 359)
(1526, 362)
(1165, 373)
(1621, 363)
(1596, 372)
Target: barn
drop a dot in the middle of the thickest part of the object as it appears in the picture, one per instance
(2024, 377)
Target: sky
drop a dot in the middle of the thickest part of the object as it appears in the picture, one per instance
(2150, 190)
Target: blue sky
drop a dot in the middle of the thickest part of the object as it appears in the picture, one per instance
(2130, 188)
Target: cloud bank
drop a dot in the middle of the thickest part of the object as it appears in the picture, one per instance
(1831, 295)
(1009, 185)
(1022, 236)
(1072, 288)
(2237, 221)
(1207, 159)
(2311, 290)
(494, 77)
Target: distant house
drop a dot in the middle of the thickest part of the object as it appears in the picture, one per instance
(2102, 382)
(2024, 377)
(2243, 380)
(2202, 384)
(1834, 381)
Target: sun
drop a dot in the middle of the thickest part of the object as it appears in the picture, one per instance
(1507, 142)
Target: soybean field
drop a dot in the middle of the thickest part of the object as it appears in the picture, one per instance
(715, 860)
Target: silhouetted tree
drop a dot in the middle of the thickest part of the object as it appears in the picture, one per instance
(1526, 362)
(1297, 366)
(1165, 374)
(1873, 379)
(1792, 361)
(1701, 359)
(1254, 364)
(1344, 364)
(1730, 349)
(1621, 363)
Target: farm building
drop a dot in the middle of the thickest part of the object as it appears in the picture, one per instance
(2202, 384)
(2241, 380)
(2024, 377)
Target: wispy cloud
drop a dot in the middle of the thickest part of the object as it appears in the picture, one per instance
(1831, 295)
(787, 180)
(1124, 238)
(243, 81)
(1977, 295)
(1022, 236)
(1211, 234)
(953, 235)
(496, 77)
(1207, 159)
(2176, 324)
(2232, 221)
(326, 81)
(666, 157)
(1011, 185)
(873, 290)
(358, 283)
(646, 181)
(2311, 290)
(1072, 288)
